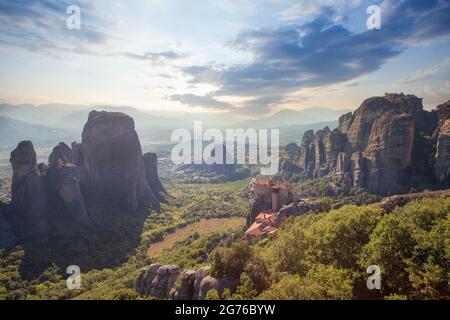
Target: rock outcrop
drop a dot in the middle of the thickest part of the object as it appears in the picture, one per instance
(64, 183)
(200, 274)
(442, 162)
(165, 279)
(27, 212)
(299, 208)
(151, 171)
(106, 170)
(184, 288)
(386, 146)
(114, 163)
(167, 282)
(390, 203)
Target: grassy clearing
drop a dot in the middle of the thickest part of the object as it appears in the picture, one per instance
(201, 227)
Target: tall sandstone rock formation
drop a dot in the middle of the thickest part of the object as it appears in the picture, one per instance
(151, 171)
(442, 164)
(27, 212)
(386, 146)
(64, 183)
(106, 170)
(114, 163)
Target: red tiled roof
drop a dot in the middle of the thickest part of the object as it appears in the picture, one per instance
(255, 229)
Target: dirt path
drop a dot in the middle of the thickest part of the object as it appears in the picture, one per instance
(202, 227)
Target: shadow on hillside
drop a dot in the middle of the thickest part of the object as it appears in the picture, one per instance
(109, 242)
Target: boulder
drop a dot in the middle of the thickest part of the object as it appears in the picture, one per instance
(164, 281)
(199, 276)
(145, 284)
(209, 283)
(184, 288)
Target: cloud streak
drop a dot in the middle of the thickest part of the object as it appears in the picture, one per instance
(420, 75)
(289, 58)
(41, 26)
(206, 102)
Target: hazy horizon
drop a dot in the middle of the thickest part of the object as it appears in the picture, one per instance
(236, 57)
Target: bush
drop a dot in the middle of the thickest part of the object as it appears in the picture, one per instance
(321, 283)
(229, 263)
(289, 288)
(334, 238)
(412, 248)
(212, 295)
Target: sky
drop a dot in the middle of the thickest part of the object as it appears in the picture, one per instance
(242, 57)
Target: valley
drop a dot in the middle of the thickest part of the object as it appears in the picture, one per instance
(238, 151)
(315, 227)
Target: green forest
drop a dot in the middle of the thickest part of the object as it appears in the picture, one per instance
(314, 256)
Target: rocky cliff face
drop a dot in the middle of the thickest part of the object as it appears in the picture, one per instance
(151, 171)
(442, 163)
(64, 183)
(386, 146)
(27, 212)
(114, 162)
(106, 169)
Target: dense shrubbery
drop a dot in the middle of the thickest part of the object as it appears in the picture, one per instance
(315, 256)
(326, 256)
(229, 262)
(412, 247)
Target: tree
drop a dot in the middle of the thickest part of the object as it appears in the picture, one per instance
(229, 263)
(412, 248)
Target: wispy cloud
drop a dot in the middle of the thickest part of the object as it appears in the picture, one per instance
(206, 102)
(321, 52)
(154, 57)
(439, 69)
(41, 26)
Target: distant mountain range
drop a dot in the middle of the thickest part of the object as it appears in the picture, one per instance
(287, 118)
(47, 115)
(52, 123)
(13, 131)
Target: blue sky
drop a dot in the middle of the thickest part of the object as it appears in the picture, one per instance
(245, 57)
